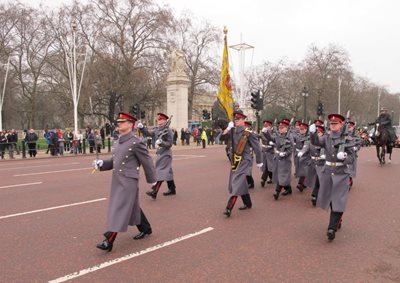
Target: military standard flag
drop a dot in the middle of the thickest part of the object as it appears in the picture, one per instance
(224, 97)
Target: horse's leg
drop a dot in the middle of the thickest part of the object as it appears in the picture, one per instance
(378, 153)
(383, 154)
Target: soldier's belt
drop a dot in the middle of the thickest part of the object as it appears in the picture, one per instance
(334, 164)
(315, 157)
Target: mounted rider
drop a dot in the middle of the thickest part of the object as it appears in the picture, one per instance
(385, 120)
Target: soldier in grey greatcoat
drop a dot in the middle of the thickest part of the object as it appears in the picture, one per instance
(299, 141)
(237, 178)
(128, 155)
(249, 176)
(281, 176)
(334, 179)
(163, 136)
(268, 153)
(357, 146)
(314, 157)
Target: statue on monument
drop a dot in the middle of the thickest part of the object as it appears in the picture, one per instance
(177, 62)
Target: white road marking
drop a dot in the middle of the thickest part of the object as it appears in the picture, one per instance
(51, 208)
(51, 172)
(58, 164)
(129, 256)
(178, 157)
(20, 185)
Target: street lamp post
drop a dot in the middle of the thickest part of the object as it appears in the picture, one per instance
(339, 87)
(304, 93)
(2, 94)
(72, 73)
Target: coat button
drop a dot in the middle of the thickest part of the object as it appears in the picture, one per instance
(130, 149)
(123, 163)
(126, 156)
(137, 168)
(120, 170)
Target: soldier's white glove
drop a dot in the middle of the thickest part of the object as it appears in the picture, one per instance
(282, 154)
(97, 164)
(230, 125)
(264, 130)
(300, 154)
(323, 156)
(259, 165)
(355, 148)
(312, 128)
(341, 155)
(140, 125)
(271, 143)
(159, 141)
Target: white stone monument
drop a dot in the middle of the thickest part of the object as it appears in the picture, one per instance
(177, 91)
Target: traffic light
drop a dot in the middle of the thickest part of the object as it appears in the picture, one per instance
(142, 114)
(206, 115)
(256, 101)
(135, 110)
(320, 109)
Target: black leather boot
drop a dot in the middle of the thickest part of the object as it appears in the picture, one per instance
(171, 188)
(142, 234)
(277, 192)
(152, 194)
(108, 242)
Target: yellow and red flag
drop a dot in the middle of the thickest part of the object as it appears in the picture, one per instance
(225, 86)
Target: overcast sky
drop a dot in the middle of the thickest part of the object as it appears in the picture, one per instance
(369, 30)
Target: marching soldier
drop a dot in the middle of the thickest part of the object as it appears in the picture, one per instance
(299, 141)
(268, 153)
(123, 209)
(242, 141)
(334, 180)
(357, 145)
(282, 171)
(249, 176)
(163, 136)
(315, 158)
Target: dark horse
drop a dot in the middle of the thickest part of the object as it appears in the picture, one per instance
(381, 139)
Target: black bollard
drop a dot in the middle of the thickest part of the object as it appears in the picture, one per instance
(109, 144)
(84, 146)
(23, 149)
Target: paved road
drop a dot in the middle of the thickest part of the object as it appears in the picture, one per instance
(53, 212)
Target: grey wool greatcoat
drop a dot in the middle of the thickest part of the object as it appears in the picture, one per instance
(237, 179)
(334, 180)
(313, 162)
(282, 172)
(268, 151)
(301, 163)
(129, 154)
(164, 153)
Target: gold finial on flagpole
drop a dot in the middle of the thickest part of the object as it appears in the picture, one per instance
(225, 30)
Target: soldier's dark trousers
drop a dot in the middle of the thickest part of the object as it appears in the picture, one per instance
(266, 174)
(171, 186)
(334, 220)
(250, 181)
(301, 180)
(246, 200)
(144, 225)
(316, 188)
(110, 236)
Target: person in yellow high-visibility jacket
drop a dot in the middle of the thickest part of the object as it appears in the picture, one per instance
(204, 138)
